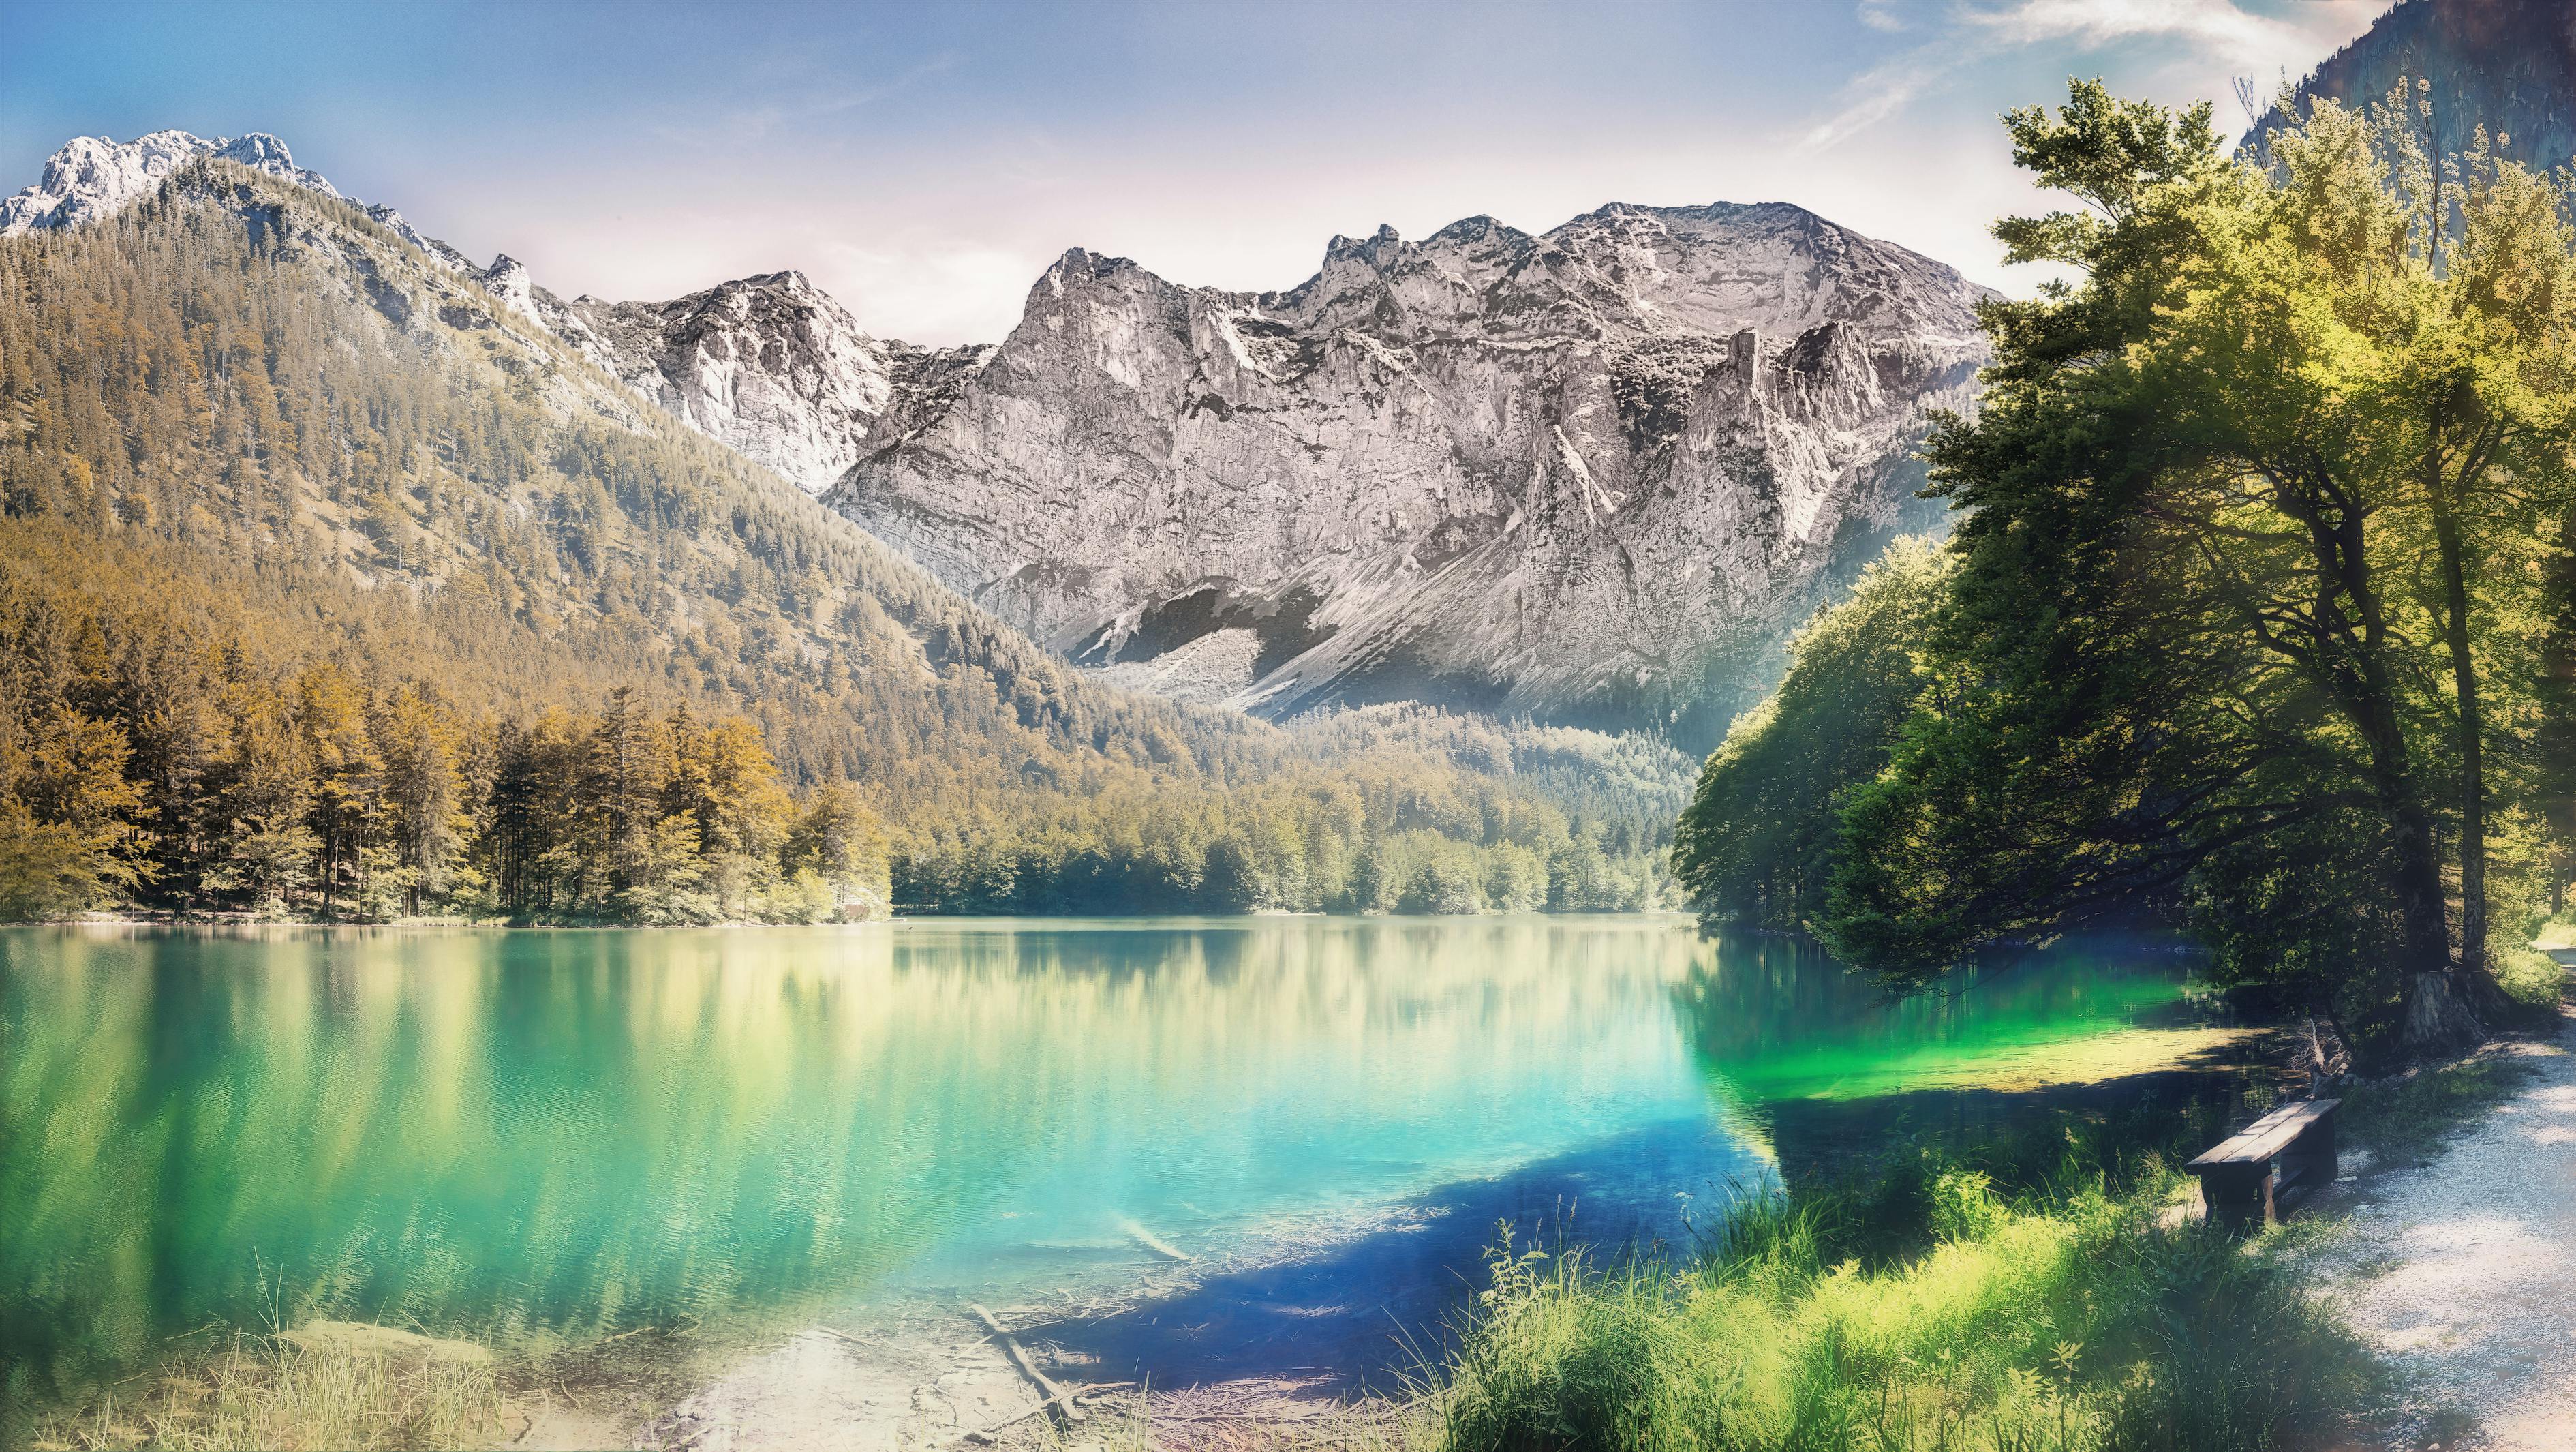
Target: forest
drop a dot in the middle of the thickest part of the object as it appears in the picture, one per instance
(331, 587)
(2259, 615)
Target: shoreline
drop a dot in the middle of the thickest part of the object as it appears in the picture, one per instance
(1050, 921)
(812, 1372)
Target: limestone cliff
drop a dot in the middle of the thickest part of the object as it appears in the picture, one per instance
(1591, 475)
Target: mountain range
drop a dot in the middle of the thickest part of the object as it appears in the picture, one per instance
(256, 440)
(1591, 475)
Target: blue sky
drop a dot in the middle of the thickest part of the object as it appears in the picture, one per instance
(925, 162)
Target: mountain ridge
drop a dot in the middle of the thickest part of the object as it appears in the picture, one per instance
(244, 397)
(1489, 469)
(1591, 475)
(2500, 65)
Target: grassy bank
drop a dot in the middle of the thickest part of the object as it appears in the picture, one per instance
(327, 1387)
(2030, 1294)
(2022, 1297)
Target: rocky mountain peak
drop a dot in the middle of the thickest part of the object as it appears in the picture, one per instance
(1375, 248)
(92, 177)
(769, 364)
(1590, 474)
(1079, 267)
(95, 176)
(262, 152)
(507, 279)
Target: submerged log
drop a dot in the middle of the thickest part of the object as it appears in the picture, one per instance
(1155, 1243)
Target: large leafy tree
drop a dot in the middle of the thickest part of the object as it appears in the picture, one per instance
(1757, 842)
(2248, 585)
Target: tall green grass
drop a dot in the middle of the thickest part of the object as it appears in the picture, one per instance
(2004, 1299)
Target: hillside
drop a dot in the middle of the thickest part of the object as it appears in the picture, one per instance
(2506, 65)
(373, 460)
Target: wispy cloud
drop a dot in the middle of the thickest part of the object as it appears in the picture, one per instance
(741, 125)
(1882, 90)
(2223, 37)
(2223, 30)
(1882, 14)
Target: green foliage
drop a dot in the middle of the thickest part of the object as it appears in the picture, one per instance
(2533, 982)
(1366, 828)
(1756, 844)
(270, 785)
(2249, 612)
(66, 807)
(1920, 1307)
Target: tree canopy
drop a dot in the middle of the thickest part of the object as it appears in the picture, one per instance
(2249, 603)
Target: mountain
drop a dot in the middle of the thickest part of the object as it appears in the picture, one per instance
(772, 366)
(2507, 65)
(1590, 475)
(249, 432)
(298, 390)
(93, 177)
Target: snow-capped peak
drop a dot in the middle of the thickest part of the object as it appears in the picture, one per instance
(97, 176)
(94, 176)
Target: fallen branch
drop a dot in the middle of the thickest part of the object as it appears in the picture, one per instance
(1065, 1399)
(1050, 1394)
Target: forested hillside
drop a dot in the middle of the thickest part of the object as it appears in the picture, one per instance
(2507, 67)
(324, 571)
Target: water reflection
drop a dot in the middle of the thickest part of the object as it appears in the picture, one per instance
(541, 1135)
(1826, 1068)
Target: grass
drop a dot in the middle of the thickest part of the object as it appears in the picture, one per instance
(2020, 1297)
(2532, 980)
(2406, 1118)
(299, 1395)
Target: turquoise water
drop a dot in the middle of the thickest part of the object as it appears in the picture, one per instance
(551, 1135)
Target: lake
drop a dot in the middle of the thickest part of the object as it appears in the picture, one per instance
(541, 1136)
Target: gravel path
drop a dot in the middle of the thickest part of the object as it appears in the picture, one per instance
(2464, 1270)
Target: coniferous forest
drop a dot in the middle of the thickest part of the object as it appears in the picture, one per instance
(330, 586)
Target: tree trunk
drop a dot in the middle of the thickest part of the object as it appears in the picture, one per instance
(2437, 1016)
(2464, 679)
(2420, 900)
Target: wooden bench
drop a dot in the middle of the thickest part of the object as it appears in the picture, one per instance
(2256, 1174)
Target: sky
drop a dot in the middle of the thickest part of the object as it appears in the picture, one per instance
(924, 163)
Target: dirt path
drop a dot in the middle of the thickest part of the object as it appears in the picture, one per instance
(2464, 1269)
